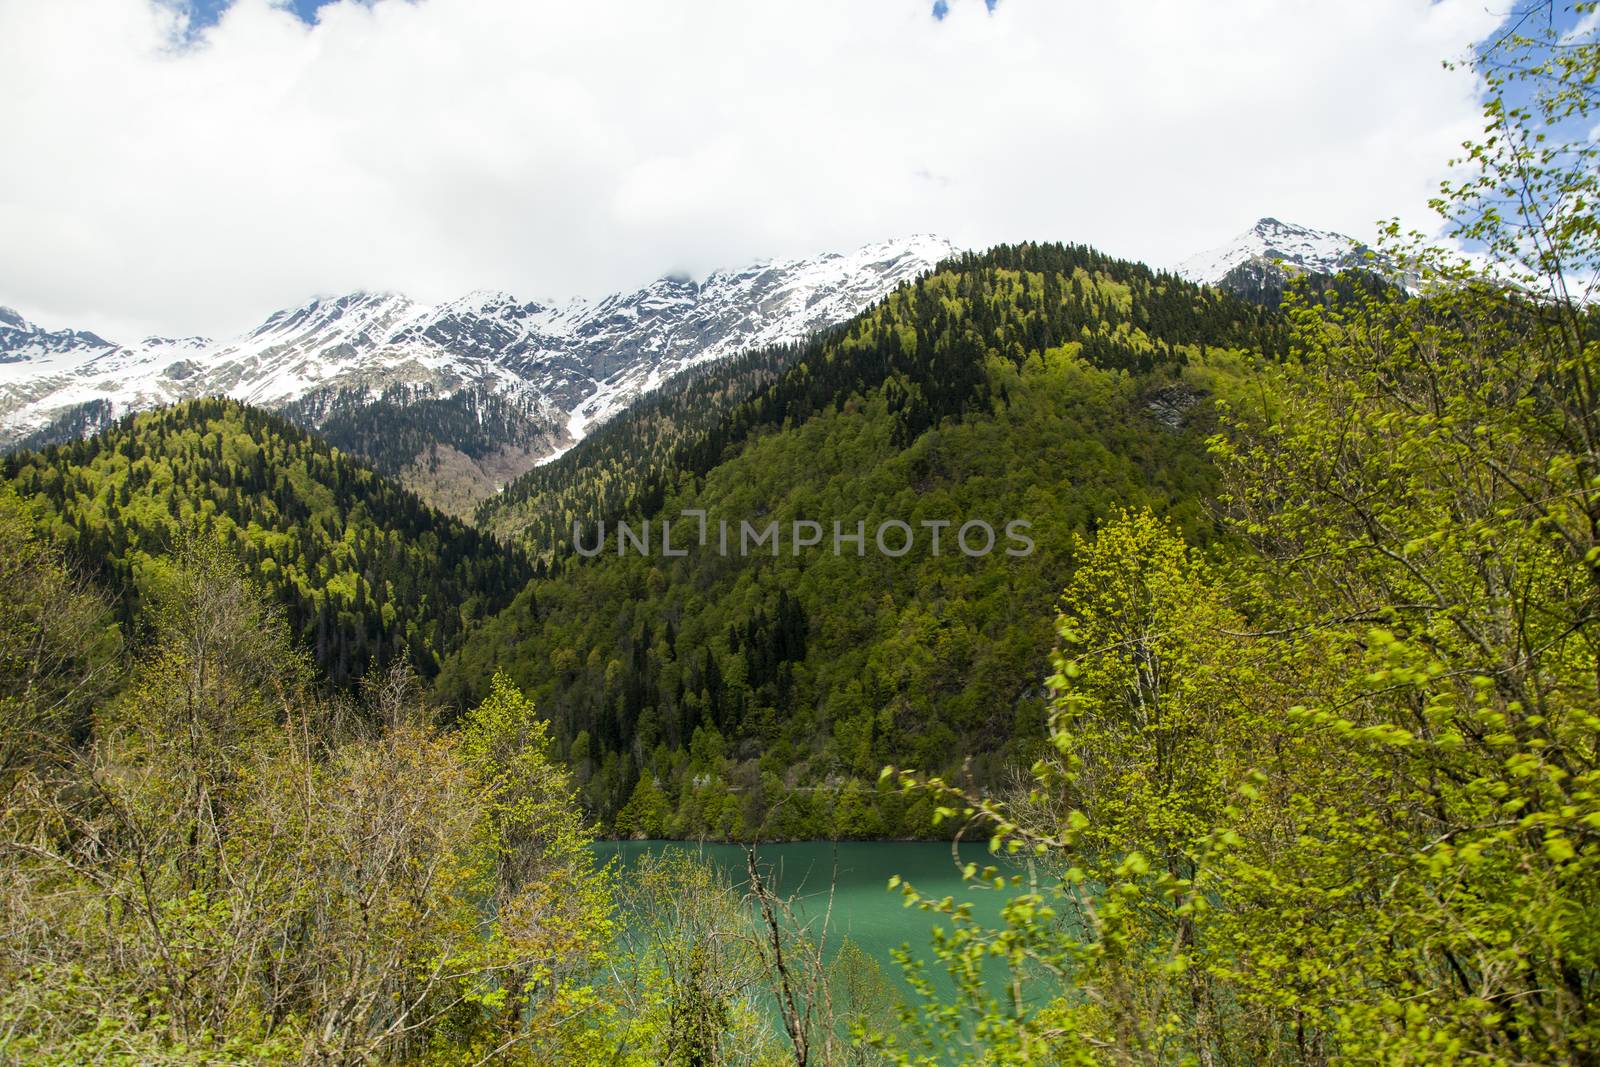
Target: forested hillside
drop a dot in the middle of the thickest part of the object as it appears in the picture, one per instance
(624, 467)
(618, 469)
(365, 571)
(735, 695)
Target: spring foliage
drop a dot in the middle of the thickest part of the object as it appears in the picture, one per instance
(1336, 798)
(367, 574)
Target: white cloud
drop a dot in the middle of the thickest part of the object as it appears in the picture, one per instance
(553, 148)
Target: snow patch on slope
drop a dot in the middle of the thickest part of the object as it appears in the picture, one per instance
(1269, 241)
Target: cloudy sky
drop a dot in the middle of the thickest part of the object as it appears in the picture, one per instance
(182, 167)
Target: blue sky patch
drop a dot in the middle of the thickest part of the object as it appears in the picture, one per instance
(941, 8)
(203, 13)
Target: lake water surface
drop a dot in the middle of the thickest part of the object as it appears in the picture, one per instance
(864, 909)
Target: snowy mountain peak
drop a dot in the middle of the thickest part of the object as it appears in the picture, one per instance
(489, 301)
(193, 343)
(1278, 245)
(351, 311)
(575, 363)
(22, 341)
(928, 246)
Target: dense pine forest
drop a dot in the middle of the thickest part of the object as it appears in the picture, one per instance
(366, 572)
(1279, 745)
(695, 696)
(620, 467)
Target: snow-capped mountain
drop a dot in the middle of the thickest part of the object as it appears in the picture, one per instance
(21, 340)
(1256, 263)
(575, 364)
(349, 340)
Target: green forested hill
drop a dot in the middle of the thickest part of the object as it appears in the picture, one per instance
(735, 695)
(363, 568)
(618, 469)
(1123, 315)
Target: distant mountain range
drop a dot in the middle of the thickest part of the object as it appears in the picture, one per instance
(485, 386)
(563, 367)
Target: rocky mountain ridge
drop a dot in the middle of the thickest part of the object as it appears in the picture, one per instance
(567, 366)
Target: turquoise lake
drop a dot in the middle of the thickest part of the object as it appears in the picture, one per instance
(864, 909)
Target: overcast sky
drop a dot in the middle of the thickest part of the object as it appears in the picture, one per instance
(179, 169)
